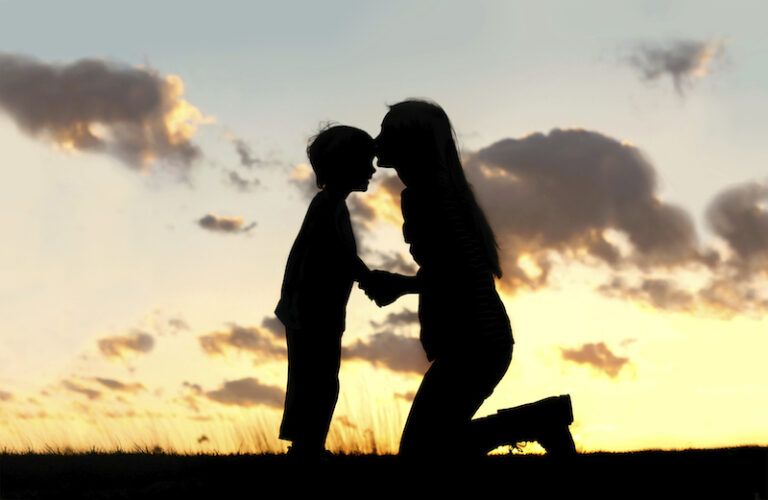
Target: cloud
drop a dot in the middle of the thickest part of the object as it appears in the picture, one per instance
(242, 184)
(575, 195)
(739, 215)
(274, 326)
(392, 262)
(243, 149)
(89, 393)
(596, 355)
(725, 294)
(406, 317)
(132, 113)
(380, 203)
(116, 385)
(190, 396)
(408, 396)
(303, 178)
(580, 194)
(253, 340)
(136, 342)
(178, 324)
(571, 193)
(395, 352)
(5, 396)
(682, 60)
(224, 224)
(247, 392)
(734, 278)
(660, 293)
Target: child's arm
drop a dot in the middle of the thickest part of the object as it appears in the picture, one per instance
(360, 271)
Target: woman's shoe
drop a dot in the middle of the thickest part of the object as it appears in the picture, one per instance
(545, 421)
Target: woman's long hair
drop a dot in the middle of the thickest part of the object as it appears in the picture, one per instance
(425, 133)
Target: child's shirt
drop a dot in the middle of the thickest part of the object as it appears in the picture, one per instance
(321, 268)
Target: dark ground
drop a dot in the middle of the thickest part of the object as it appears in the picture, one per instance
(725, 473)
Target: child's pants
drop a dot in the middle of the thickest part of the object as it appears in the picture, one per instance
(314, 359)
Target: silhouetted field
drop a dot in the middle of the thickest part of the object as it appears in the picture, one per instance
(725, 473)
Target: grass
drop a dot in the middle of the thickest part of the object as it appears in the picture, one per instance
(151, 472)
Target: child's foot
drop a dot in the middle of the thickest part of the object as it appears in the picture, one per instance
(306, 454)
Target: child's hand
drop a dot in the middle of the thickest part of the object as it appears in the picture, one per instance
(382, 287)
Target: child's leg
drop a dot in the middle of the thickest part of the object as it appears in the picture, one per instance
(314, 359)
(290, 427)
(324, 389)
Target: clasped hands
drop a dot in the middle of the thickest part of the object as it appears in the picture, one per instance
(384, 287)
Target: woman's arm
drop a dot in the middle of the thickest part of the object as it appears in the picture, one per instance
(385, 287)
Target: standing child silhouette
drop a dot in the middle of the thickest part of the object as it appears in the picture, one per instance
(321, 268)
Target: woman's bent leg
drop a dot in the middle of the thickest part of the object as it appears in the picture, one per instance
(451, 392)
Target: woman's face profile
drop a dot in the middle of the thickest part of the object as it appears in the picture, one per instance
(393, 150)
(385, 148)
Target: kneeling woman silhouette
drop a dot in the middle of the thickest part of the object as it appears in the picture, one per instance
(465, 330)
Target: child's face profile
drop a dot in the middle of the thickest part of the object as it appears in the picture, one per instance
(360, 172)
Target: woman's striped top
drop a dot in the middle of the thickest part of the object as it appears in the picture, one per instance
(459, 307)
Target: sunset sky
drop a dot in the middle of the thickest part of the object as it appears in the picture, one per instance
(155, 177)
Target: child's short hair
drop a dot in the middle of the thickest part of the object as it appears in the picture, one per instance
(329, 150)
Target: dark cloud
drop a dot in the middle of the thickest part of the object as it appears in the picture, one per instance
(191, 393)
(89, 393)
(659, 293)
(274, 326)
(241, 183)
(564, 191)
(406, 317)
(303, 178)
(245, 153)
(134, 114)
(727, 293)
(252, 340)
(596, 355)
(578, 195)
(380, 202)
(734, 294)
(408, 396)
(574, 193)
(735, 281)
(178, 324)
(395, 352)
(5, 396)
(116, 385)
(739, 215)
(393, 262)
(682, 60)
(195, 388)
(224, 224)
(247, 392)
(360, 211)
(135, 342)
